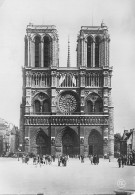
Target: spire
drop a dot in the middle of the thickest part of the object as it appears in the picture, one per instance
(68, 58)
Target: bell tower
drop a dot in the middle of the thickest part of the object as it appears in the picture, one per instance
(93, 60)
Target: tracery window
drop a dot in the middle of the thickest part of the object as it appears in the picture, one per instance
(89, 52)
(89, 106)
(97, 44)
(46, 51)
(37, 51)
(94, 104)
(41, 104)
(37, 106)
(46, 106)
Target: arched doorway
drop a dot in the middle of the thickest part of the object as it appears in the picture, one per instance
(42, 141)
(70, 142)
(95, 142)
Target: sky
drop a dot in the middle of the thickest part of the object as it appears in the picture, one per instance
(68, 16)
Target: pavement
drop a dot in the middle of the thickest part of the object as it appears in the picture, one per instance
(75, 179)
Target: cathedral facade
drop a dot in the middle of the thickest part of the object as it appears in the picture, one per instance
(67, 110)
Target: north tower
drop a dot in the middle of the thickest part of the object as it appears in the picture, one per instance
(67, 110)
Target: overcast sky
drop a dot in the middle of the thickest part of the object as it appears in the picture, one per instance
(69, 16)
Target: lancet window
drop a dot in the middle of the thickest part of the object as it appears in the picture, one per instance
(94, 104)
(89, 51)
(37, 51)
(41, 104)
(47, 48)
(97, 50)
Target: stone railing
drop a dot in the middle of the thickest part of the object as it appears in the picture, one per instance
(66, 120)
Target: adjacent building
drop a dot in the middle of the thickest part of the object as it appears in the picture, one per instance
(67, 110)
(9, 137)
(128, 142)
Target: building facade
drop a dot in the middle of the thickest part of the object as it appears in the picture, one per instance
(128, 142)
(9, 138)
(67, 110)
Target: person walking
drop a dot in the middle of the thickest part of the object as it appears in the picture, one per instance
(119, 161)
(91, 159)
(122, 161)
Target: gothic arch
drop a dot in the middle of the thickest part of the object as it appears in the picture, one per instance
(95, 142)
(42, 142)
(97, 51)
(94, 103)
(89, 51)
(47, 50)
(37, 39)
(69, 140)
(41, 101)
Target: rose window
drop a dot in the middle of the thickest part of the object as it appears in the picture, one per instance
(67, 103)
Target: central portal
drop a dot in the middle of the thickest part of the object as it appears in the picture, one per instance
(42, 142)
(70, 142)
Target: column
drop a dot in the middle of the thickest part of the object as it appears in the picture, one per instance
(42, 53)
(53, 140)
(111, 127)
(81, 140)
(93, 56)
(105, 50)
(105, 141)
(28, 51)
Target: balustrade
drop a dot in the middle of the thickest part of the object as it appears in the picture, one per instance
(93, 80)
(37, 80)
(68, 120)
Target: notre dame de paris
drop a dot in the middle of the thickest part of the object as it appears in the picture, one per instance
(67, 110)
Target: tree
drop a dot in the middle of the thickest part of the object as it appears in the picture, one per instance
(117, 139)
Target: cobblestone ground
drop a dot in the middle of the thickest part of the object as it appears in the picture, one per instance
(75, 179)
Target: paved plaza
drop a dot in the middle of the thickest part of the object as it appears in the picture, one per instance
(75, 179)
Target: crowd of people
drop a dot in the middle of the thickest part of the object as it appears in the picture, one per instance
(62, 159)
(46, 159)
(126, 159)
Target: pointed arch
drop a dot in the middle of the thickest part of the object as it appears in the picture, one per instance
(43, 143)
(36, 106)
(46, 106)
(47, 51)
(89, 51)
(89, 106)
(37, 50)
(93, 103)
(95, 142)
(97, 50)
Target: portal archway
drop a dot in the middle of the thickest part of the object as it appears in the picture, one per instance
(95, 142)
(43, 144)
(70, 142)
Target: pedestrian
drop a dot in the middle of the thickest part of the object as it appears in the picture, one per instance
(91, 159)
(59, 160)
(97, 159)
(119, 161)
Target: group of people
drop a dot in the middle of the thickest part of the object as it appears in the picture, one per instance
(43, 159)
(94, 159)
(62, 159)
(39, 159)
(126, 160)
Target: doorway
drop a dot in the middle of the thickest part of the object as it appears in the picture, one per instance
(42, 142)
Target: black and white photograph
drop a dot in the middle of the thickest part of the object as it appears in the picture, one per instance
(67, 97)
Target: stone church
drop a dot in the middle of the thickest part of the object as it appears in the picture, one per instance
(67, 110)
